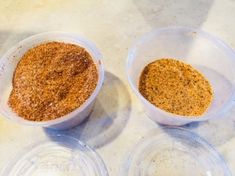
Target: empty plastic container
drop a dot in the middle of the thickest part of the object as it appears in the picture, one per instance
(58, 156)
(174, 152)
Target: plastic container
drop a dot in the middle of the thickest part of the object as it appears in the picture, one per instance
(203, 51)
(174, 152)
(62, 156)
(9, 62)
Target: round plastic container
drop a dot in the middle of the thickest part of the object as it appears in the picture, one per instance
(176, 152)
(9, 62)
(203, 51)
(63, 156)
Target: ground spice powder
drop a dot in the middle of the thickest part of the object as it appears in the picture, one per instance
(175, 87)
(51, 80)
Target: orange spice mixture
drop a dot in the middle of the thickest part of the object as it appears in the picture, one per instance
(175, 87)
(51, 80)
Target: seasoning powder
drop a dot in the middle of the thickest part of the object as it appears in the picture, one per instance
(175, 87)
(51, 80)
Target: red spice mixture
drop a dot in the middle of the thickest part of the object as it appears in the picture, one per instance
(176, 87)
(51, 80)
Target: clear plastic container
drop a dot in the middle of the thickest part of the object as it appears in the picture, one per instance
(203, 51)
(174, 152)
(9, 62)
(58, 156)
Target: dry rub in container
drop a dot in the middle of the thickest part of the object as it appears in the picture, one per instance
(10, 60)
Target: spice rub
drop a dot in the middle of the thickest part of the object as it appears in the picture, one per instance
(176, 87)
(51, 80)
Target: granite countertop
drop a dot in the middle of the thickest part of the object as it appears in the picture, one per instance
(118, 121)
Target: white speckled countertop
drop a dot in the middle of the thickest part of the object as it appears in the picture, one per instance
(118, 121)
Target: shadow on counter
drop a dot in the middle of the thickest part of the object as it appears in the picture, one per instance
(109, 117)
(170, 12)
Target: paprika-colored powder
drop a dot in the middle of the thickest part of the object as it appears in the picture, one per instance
(176, 87)
(51, 80)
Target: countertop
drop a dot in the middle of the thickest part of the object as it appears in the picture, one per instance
(118, 121)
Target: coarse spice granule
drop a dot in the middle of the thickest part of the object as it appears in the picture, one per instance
(176, 87)
(51, 80)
